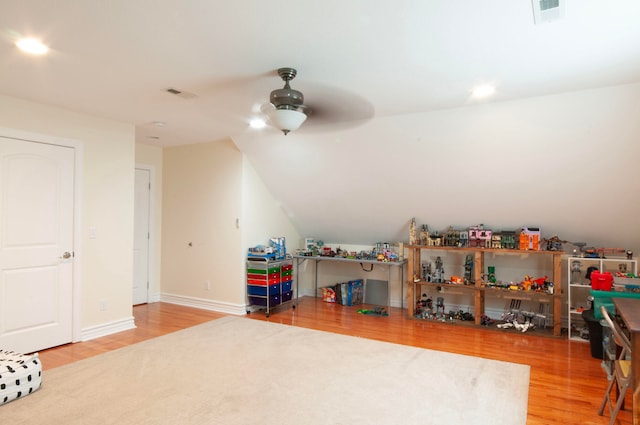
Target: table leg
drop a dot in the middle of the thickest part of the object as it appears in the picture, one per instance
(635, 376)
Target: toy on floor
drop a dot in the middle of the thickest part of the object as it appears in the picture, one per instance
(376, 311)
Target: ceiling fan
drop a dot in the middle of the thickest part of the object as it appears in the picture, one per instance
(287, 110)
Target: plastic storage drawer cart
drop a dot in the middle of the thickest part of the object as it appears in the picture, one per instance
(269, 283)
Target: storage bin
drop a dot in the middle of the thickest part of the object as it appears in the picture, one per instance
(601, 281)
(274, 300)
(263, 281)
(287, 286)
(263, 290)
(287, 296)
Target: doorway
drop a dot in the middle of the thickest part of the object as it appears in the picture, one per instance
(141, 235)
(37, 256)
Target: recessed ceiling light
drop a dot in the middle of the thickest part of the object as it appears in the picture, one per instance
(482, 91)
(32, 46)
(257, 123)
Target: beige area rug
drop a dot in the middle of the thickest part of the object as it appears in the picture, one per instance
(236, 370)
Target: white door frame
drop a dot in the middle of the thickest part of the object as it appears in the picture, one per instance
(153, 291)
(76, 145)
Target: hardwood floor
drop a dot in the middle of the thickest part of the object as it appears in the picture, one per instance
(151, 320)
(566, 383)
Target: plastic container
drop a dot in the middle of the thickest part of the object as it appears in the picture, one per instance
(601, 281)
(595, 333)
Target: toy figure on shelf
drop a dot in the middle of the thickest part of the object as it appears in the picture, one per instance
(508, 240)
(440, 308)
(530, 238)
(468, 269)
(491, 274)
(424, 235)
(424, 307)
(540, 284)
(496, 240)
(576, 266)
(426, 272)
(451, 237)
(435, 239)
(554, 243)
(412, 232)
(439, 273)
(479, 237)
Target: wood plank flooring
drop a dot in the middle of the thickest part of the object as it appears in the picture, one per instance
(566, 385)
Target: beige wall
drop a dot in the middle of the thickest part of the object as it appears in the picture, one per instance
(214, 200)
(106, 203)
(200, 241)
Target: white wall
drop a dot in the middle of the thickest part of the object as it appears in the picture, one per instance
(107, 204)
(566, 163)
(263, 216)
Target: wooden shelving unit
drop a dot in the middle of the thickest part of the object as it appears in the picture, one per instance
(479, 291)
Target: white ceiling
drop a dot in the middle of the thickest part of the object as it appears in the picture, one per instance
(356, 59)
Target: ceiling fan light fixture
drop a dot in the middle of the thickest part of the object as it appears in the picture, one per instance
(32, 46)
(288, 111)
(286, 120)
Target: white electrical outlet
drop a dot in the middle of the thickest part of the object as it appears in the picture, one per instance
(103, 305)
(207, 285)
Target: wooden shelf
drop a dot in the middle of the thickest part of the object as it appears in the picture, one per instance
(478, 289)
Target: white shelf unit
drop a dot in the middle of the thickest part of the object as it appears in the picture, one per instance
(578, 288)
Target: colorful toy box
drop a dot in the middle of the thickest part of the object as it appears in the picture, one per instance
(328, 295)
(350, 293)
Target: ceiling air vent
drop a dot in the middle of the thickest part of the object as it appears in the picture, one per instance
(180, 93)
(547, 10)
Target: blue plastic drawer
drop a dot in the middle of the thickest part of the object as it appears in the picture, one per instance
(274, 300)
(263, 290)
(287, 286)
(287, 296)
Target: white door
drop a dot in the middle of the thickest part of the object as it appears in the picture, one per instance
(36, 245)
(141, 236)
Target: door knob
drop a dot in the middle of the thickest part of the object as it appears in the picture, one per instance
(66, 255)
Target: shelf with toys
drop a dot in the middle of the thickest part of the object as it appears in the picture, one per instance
(480, 288)
(579, 294)
(478, 284)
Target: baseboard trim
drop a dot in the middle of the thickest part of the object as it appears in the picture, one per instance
(108, 329)
(205, 304)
